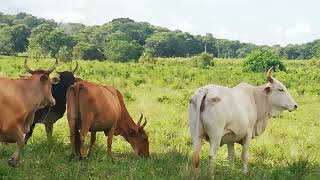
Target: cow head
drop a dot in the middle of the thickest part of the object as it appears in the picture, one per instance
(278, 96)
(138, 138)
(40, 71)
(67, 78)
(45, 91)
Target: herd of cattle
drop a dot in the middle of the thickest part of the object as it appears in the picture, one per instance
(217, 114)
(26, 101)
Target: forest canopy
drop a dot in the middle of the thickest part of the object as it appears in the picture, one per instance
(123, 40)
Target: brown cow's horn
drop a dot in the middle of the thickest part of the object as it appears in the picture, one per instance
(139, 122)
(53, 67)
(269, 75)
(145, 122)
(75, 67)
(28, 69)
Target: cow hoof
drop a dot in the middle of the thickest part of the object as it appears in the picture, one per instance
(12, 162)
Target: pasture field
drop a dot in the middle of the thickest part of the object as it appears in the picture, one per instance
(288, 149)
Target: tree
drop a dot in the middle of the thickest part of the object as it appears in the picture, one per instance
(6, 43)
(87, 51)
(48, 40)
(65, 54)
(123, 51)
(20, 34)
(261, 60)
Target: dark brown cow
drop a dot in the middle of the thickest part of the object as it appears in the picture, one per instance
(94, 108)
(20, 98)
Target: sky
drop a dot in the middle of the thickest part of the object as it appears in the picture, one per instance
(270, 22)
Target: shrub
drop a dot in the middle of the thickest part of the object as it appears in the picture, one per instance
(261, 60)
(148, 56)
(204, 60)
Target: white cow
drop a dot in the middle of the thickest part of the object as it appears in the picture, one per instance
(224, 115)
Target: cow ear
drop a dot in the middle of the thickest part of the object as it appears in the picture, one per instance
(44, 78)
(267, 90)
(55, 80)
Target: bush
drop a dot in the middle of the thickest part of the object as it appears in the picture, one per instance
(148, 56)
(204, 60)
(261, 60)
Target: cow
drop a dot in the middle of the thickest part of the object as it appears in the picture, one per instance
(20, 98)
(224, 115)
(49, 115)
(92, 107)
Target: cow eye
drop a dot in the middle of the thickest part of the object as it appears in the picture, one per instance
(280, 90)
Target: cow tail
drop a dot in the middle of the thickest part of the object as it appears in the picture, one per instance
(194, 120)
(77, 120)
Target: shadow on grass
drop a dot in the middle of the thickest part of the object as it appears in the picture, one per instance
(302, 168)
(44, 158)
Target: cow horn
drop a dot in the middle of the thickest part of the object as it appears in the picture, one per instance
(139, 122)
(145, 122)
(269, 75)
(75, 67)
(28, 69)
(53, 67)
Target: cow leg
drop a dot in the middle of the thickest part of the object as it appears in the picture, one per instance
(231, 153)
(83, 135)
(71, 122)
(196, 154)
(110, 135)
(19, 145)
(215, 140)
(29, 134)
(245, 152)
(92, 141)
(49, 129)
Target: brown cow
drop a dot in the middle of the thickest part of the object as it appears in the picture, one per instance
(20, 98)
(94, 108)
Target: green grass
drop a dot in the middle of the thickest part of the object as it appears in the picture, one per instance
(289, 148)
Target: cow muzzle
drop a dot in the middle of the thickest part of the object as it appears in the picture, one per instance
(295, 107)
(52, 102)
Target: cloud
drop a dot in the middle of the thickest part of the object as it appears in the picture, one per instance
(299, 29)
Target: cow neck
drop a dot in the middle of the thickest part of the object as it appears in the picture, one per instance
(125, 124)
(30, 91)
(263, 109)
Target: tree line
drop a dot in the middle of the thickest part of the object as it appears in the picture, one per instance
(123, 39)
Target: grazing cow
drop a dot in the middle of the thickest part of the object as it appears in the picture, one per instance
(49, 115)
(94, 108)
(235, 115)
(20, 98)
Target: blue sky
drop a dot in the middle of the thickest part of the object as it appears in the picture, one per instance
(258, 21)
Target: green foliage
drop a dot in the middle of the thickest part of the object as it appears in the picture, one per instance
(262, 60)
(48, 40)
(45, 37)
(122, 51)
(65, 54)
(87, 51)
(203, 60)
(206, 60)
(148, 56)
